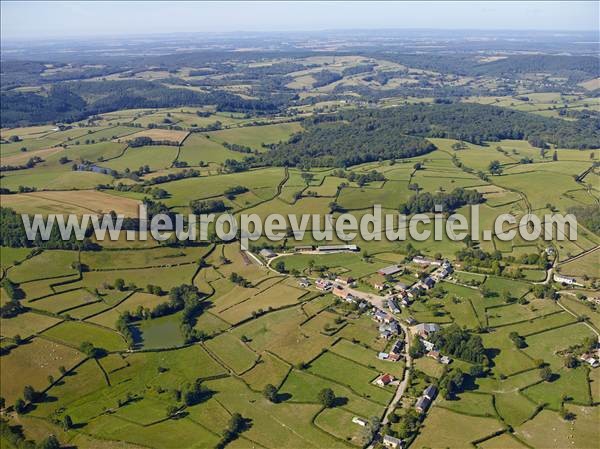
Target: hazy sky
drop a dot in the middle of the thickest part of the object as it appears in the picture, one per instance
(34, 20)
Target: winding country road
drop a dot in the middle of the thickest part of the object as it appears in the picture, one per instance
(377, 301)
(592, 328)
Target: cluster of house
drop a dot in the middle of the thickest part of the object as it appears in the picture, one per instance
(360, 421)
(267, 253)
(338, 288)
(427, 261)
(394, 354)
(422, 405)
(303, 283)
(594, 299)
(384, 379)
(591, 358)
(426, 399)
(565, 280)
(325, 248)
(402, 294)
(342, 293)
(93, 168)
(392, 442)
(380, 282)
(444, 270)
(388, 326)
(393, 305)
(323, 285)
(423, 331)
(340, 281)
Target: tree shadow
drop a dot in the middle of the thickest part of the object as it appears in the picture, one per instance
(246, 424)
(491, 354)
(79, 425)
(282, 397)
(340, 401)
(469, 383)
(48, 399)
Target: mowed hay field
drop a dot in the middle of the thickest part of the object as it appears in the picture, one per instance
(26, 324)
(157, 135)
(71, 202)
(23, 157)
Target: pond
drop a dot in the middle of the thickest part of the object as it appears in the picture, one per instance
(162, 332)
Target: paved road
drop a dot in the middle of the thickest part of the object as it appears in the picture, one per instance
(374, 299)
(556, 263)
(377, 301)
(402, 387)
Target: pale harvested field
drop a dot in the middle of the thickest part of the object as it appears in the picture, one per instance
(70, 201)
(592, 84)
(27, 131)
(157, 134)
(23, 157)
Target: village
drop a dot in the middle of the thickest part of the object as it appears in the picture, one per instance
(385, 296)
(385, 308)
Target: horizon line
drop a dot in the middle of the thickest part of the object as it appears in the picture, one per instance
(289, 32)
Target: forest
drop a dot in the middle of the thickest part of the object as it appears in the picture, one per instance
(356, 137)
(67, 102)
(475, 123)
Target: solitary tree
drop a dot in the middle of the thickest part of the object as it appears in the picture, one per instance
(327, 397)
(20, 406)
(120, 284)
(270, 392)
(50, 442)
(571, 361)
(280, 266)
(546, 373)
(171, 410)
(29, 393)
(495, 168)
(67, 422)
(236, 423)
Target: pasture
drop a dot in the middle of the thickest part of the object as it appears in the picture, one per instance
(272, 331)
(73, 333)
(582, 432)
(255, 136)
(157, 134)
(156, 157)
(26, 324)
(460, 430)
(31, 363)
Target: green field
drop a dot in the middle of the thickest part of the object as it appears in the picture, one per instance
(189, 334)
(461, 429)
(73, 333)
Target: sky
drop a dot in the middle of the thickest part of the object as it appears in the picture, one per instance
(50, 19)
